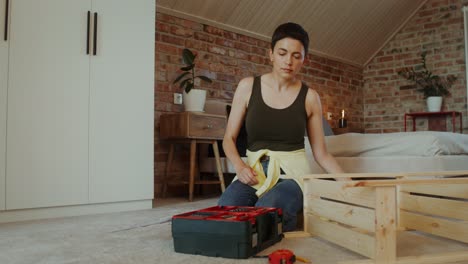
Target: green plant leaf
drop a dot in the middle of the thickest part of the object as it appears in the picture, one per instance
(204, 78)
(181, 76)
(427, 83)
(183, 83)
(188, 68)
(188, 87)
(188, 57)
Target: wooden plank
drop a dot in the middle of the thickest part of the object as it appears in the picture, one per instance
(450, 190)
(356, 216)
(388, 174)
(385, 224)
(438, 258)
(436, 226)
(393, 182)
(434, 206)
(398, 197)
(296, 234)
(342, 236)
(337, 191)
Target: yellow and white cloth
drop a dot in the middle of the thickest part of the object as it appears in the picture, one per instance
(293, 163)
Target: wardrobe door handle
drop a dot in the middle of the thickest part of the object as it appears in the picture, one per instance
(5, 36)
(95, 33)
(87, 32)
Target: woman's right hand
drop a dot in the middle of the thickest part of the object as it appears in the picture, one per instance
(247, 175)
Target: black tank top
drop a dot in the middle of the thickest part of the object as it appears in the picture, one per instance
(275, 129)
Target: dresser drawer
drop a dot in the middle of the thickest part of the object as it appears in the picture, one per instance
(192, 125)
(206, 126)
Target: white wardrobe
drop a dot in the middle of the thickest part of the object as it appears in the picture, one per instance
(76, 105)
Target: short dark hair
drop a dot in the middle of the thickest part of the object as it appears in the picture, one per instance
(290, 30)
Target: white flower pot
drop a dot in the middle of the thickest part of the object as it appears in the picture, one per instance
(194, 101)
(434, 103)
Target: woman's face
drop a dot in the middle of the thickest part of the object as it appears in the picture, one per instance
(287, 57)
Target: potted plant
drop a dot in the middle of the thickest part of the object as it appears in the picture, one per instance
(194, 99)
(434, 87)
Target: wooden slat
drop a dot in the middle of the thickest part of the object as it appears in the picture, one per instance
(450, 190)
(342, 236)
(436, 226)
(394, 182)
(360, 217)
(296, 234)
(337, 191)
(389, 174)
(434, 206)
(438, 258)
(385, 224)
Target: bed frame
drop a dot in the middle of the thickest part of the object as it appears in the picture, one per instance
(366, 215)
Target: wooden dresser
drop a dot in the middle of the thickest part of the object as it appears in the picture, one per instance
(186, 125)
(192, 128)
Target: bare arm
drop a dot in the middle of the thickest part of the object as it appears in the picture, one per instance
(245, 173)
(316, 135)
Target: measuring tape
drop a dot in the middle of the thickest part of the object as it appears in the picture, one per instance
(284, 256)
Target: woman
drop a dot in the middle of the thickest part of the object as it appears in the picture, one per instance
(277, 108)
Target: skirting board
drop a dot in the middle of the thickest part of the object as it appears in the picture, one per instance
(76, 210)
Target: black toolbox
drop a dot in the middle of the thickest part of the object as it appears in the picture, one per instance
(227, 231)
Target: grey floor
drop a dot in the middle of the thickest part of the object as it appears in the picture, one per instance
(145, 237)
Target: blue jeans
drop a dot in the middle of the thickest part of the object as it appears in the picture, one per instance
(286, 194)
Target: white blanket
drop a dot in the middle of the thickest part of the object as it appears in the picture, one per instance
(422, 144)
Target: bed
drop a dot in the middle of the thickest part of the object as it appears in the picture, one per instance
(397, 152)
(390, 152)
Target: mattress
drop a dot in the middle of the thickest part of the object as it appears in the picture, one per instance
(420, 144)
(397, 152)
(397, 164)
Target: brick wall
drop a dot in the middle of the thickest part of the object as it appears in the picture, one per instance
(227, 57)
(436, 28)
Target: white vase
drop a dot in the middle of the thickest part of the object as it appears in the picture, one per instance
(194, 101)
(434, 103)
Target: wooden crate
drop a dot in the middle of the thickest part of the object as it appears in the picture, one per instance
(366, 214)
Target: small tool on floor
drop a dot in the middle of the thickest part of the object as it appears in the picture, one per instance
(285, 256)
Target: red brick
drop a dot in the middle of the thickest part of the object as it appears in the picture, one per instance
(230, 35)
(225, 42)
(385, 72)
(229, 61)
(203, 37)
(439, 3)
(166, 48)
(385, 58)
(162, 27)
(242, 46)
(428, 12)
(259, 51)
(178, 31)
(256, 59)
(249, 40)
(217, 50)
(213, 30)
(196, 45)
(172, 40)
(432, 25)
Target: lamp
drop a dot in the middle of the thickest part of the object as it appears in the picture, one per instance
(342, 121)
